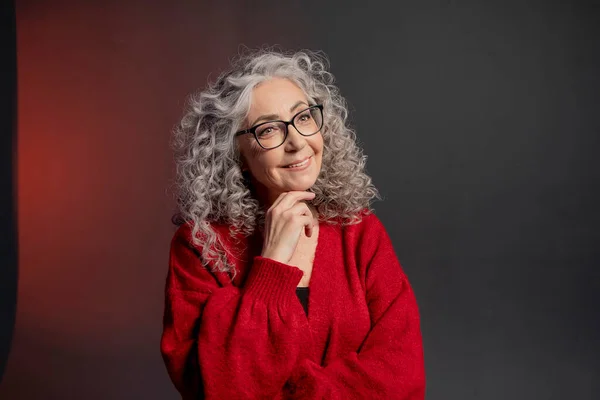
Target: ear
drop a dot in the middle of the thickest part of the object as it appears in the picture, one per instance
(245, 170)
(243, 164)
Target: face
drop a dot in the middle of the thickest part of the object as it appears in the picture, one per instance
(279, 99)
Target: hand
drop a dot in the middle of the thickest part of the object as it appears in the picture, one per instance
(284, 222)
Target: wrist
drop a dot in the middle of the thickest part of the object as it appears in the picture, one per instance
(273, 256)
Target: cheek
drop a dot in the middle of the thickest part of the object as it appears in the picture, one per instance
(321, 150)
(263, 163)
(317, 145)
(255, 151)
(251, 153)
(317, 140)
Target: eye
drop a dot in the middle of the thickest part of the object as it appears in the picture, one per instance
(268, 130)
(304, 117)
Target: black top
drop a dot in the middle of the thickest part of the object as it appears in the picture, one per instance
(302, 293)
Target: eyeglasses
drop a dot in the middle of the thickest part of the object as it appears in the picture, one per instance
(272, 134)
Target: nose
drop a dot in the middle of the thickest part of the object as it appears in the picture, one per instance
(294, 140)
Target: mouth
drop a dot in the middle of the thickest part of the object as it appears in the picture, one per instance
(298, 164)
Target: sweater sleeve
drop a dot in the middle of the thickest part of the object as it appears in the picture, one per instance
(223, 342)
(389, 364)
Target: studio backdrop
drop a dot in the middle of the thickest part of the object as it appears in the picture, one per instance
(480, 122)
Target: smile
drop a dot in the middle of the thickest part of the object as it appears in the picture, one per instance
(300, 165)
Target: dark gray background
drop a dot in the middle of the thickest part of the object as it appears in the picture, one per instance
(480, 120)
(482, 126)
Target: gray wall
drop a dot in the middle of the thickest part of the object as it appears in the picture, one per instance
(481, 122)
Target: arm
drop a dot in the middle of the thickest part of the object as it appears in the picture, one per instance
(389, 363)
(221, 341)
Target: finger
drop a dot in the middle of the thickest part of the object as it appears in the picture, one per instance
(300, 209)
(294, 197)
(307, 223)
(304, 216)
(308, 229)
(278, 200)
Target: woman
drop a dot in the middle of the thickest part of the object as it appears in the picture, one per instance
(282, 283)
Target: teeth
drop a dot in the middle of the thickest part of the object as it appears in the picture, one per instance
(298, 165)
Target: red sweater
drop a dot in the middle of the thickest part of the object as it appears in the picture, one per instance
(251, 339)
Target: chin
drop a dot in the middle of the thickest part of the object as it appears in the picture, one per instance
(302, 184)
(299, 188)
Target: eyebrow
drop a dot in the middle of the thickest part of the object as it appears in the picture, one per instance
(275, 116)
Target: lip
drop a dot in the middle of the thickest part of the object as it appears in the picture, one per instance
(298, 162)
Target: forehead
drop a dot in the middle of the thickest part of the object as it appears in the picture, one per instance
(275, 95)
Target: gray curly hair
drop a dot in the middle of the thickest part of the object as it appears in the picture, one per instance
(210, 185)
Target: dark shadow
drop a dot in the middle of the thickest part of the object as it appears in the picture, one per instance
(8, 244)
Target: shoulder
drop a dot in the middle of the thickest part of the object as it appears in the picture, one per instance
(370, 221)
(368, 228)
(184, 234)
(363, 237)
(369, 246)
(194, 255)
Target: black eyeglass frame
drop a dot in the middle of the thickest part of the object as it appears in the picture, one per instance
(252, 130)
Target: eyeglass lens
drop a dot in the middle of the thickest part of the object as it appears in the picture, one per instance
(307, 123)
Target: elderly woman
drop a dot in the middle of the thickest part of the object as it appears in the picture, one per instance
(282, 282)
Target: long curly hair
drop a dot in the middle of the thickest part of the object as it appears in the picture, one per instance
(210, 185)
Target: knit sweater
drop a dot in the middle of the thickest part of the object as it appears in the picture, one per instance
(250, 338)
